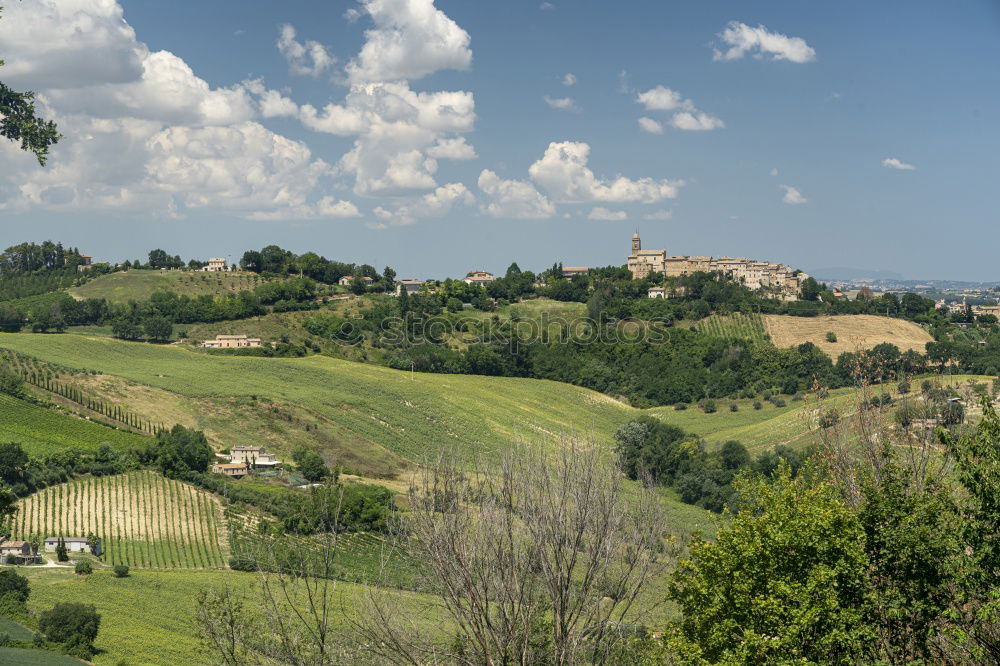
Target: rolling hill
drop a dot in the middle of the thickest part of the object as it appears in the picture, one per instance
(371, 419)
(139, 285)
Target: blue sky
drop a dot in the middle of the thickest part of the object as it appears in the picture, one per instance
(454, 142)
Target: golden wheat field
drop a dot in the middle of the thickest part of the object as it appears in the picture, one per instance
(854, 332)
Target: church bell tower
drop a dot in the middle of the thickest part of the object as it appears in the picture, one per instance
(636, 243)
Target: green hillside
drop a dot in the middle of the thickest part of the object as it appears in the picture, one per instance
(42, 431)
(138, 285)
(372, 418)
(369, 407)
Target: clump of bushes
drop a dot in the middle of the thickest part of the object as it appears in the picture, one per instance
(121, 571)
(757, 404)
(734, 407)
(831, 336)
(83, 568)
(708, 406)
(680, 406)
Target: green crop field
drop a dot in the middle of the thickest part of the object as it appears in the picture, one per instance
(143, 519)
(139, 285)
(149, 617)
(734, 327)
(10, 628)
(27, 657)
(42, 431)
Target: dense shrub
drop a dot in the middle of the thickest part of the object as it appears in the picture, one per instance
(83, 568)
(120, 570)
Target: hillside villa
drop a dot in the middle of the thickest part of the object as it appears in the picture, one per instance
(231, 469)
(411, 286)
(478, 277)
(231, 342)
(254, 456)
(571, 271)
(347, 280)
(19, 549)
(73, 545)
(216, 265)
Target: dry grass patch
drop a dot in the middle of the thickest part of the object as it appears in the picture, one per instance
(853, 332)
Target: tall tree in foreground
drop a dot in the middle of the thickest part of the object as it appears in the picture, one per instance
(19, 122)
(977, 610)
(784, 582)
(538, 560)
(293, 617)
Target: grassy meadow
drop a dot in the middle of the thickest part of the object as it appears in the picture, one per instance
(149, 617)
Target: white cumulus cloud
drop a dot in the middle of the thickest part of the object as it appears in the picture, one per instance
(893, 163)
(662, 98)
(602, 213)
(697, 121)
(686, 116)
(411, 39)
(516, 199)
(650, 125)
(569, 79)
(562, 103)
(792, 195)
(563, 172)
(142, 131)
(452, 149)
(742, 39)
(308, 59)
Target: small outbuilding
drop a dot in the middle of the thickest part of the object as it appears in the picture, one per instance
(73, 545)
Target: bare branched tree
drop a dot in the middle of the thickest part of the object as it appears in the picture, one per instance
(289, 617)
(538, 559)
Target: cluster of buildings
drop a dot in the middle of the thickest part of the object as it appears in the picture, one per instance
(23, 553)
(963, 307)
(241, 459)
(779, 279)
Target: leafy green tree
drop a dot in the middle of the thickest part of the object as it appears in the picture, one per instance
(13, 586)
(977, 462)
(11, 384)
(310, 464)
(126, 329)
(13, 462)
(83, 568)
(20, 123)
(11, 321)
(810, 289)
(158, 328)
(120, 570)
(180, 450)
(74, 625)
(784, 581)
(908, 519)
